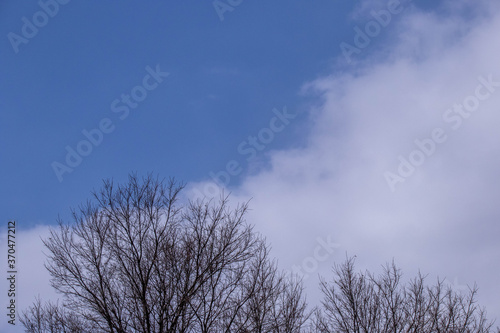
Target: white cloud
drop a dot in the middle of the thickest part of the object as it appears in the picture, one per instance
(32, 279)
(444, 218)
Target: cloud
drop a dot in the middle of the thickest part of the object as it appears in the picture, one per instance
(32, 279)
(442, 219)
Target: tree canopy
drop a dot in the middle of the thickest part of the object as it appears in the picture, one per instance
(136, 259)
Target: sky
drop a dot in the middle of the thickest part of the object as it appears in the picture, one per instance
(365, 128)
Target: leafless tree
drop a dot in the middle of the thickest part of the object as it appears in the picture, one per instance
(275, 300)
(136, 260)
(362, 302)
(50, 317)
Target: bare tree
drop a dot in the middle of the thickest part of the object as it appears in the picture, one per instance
(50, 317)
(135, 260)
(357, 302)
(275, 300)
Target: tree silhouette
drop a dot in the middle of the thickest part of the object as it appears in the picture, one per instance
(135, 260)
(358, 302)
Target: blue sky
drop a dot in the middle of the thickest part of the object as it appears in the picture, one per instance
(321, 171)
(225, 78)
